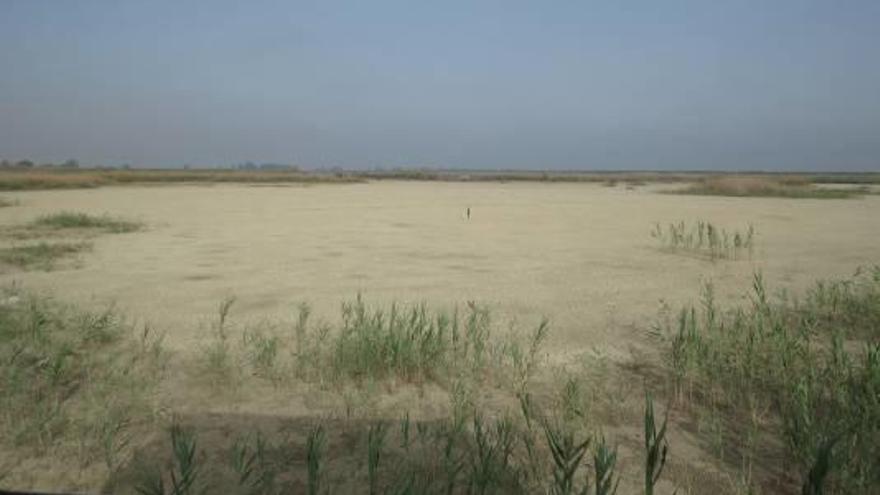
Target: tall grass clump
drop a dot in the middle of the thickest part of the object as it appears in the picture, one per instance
(806, 372)
(705, 239)
(77, 220)
(399, 342)
(408, 343)
(411, 344)
(217, 357)
(5, 203)
(71, 378)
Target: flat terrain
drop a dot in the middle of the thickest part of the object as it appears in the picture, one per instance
(580, 254)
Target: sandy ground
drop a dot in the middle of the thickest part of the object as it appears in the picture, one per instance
(581, 254)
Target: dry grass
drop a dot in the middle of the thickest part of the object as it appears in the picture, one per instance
(12, 180)
(20, 181)
(73, 383)
(66, 220)
(777, 187)
(43, 251)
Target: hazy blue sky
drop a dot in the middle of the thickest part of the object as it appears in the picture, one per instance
(575, 85)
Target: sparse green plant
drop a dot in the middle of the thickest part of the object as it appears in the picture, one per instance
(183, 474)
(525, 362)
(218, 360)
(244, 462)
(113, 437)
(375, 443)
(405, 425)
(815, 482)
(262, 351)
(604, 465)
(223, 314)
(217, 353)
(656, 447)
(300, 335)
(314, 458)
(705, 239)
(572, 400)
(253, 464)
(567, 452)
(453, 462)
(490, 456)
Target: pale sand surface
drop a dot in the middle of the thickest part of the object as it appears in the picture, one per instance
(581, 254)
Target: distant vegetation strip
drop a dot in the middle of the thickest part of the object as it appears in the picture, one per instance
(774, 187)
(13, 180)
(715, 183)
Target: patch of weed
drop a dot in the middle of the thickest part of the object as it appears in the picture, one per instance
(41, 256)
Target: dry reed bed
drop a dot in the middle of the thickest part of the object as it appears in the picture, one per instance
(779, 187)
(41, 179)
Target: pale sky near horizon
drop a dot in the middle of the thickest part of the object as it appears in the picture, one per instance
(690, 84)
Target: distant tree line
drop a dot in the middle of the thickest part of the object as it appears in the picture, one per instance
(71, 163)
(265, 166)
